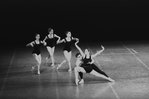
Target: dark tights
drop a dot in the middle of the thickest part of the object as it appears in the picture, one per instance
(96, 69)
(81, 75)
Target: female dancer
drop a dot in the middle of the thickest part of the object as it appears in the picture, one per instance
(85, 64)
(36, 51)
(67, 49)
(50, 41)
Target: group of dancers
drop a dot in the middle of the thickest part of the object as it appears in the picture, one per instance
(84, 62)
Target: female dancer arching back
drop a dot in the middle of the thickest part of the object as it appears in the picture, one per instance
(36, 51)
(85, 64)
(51, 40)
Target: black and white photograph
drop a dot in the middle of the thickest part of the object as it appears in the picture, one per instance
(74, 49)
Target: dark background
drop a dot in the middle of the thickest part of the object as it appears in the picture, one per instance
(89, 20)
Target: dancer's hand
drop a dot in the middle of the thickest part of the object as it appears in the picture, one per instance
(28, 45)
(102, 47)
(77, 39)
(60, 41)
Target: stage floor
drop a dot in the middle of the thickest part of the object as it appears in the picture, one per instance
(126, 63)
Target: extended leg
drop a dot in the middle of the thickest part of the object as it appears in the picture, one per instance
(59, 65)
(98, 70)
(93, 72)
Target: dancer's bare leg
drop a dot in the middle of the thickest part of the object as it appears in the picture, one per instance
(68, 58)
(76, 71)
(38, 59)
(59, 65)
(39, 63)
(51, 52)
(93, 72)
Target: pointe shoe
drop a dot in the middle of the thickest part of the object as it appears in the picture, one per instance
(32, 69)
(81, 81)
(46, 60)
(77, 81)
(38, 73)
(111, 80)
(52, 64)
(58, 66)
(69, 70)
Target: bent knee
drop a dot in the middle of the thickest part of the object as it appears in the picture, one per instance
(76, 68)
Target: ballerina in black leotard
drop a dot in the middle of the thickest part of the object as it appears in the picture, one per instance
(85, 64)
(51, 41)
(67, 49)
(36, 51)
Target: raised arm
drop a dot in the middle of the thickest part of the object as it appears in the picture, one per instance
(81, 52)
(98, 52)
(75, 39)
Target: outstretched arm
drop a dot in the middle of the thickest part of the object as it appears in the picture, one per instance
(30, 44)
(98, 52)
(60, 41)
(81, 52)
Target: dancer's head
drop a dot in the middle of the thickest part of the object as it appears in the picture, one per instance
(50, 30)
(37, 36)
(78, 55)
(87, 52)
(68, 34)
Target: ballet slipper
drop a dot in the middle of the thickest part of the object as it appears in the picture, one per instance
(38, 73)
(69, 70)
(32, 69)
(81, 81)
(58, 66)
(77, 81)
(52, 64)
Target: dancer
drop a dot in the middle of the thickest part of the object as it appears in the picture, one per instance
(51, 41)
(67, 49)
(36, 51)
(85, 64)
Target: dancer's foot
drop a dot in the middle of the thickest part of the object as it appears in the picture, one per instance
(111, 80)
(81, 81)
(77, 81)
(58, 66)
(32, 68)
(52, 64)
(38, 73)
(69, 70)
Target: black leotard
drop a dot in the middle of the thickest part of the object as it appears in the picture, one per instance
(89, 67)
(51, 42)
(87, 60)
(36, 49)
(67, 46)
